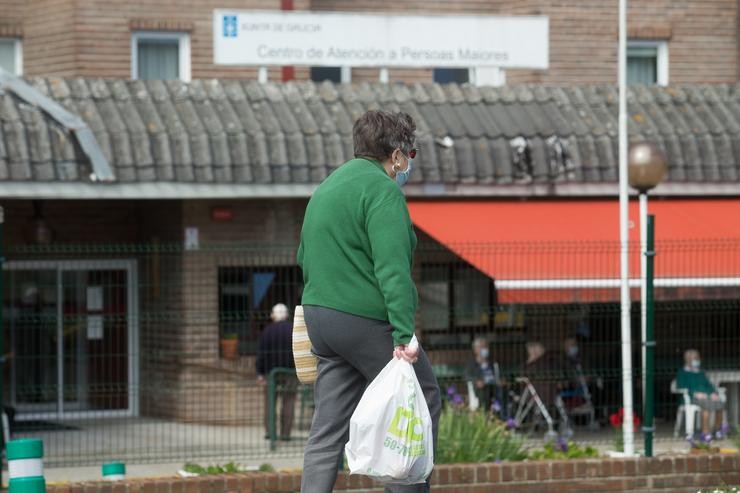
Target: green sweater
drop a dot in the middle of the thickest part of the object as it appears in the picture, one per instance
(357, 245)
(694, 381)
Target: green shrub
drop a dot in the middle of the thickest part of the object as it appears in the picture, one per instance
(466, 436)
(563, 450)
(228, 468)
(721, 489)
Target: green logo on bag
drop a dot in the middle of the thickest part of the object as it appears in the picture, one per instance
(403, 425)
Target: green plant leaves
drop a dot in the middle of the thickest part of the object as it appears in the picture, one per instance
(465, 436)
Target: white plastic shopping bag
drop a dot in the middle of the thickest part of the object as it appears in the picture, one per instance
(390, 432)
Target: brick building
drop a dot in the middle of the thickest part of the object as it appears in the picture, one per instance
(134, 280)
(684, 42)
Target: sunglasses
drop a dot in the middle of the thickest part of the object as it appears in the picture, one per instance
(412, 153)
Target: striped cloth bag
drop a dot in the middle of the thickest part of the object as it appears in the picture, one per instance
(305, 361)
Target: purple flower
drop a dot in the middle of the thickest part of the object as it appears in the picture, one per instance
(562, 444)
(451, 390)
(495, 406)
(457, 399)
(510, 423)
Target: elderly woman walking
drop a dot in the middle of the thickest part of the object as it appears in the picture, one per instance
(359, 299)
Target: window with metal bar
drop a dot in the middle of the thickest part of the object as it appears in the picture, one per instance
(455, 301)
(160, 56)
(246, 296)
(647, 63)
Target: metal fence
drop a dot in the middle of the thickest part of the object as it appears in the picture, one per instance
(147, 353)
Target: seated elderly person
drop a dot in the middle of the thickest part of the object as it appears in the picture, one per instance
(483, 372)
(702, 393)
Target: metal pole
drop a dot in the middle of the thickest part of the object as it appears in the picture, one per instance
(650, 338)
(643, 283)
(627, 426)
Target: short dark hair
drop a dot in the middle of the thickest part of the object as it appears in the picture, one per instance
(376, 134)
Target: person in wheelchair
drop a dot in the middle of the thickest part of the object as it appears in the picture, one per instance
(574, 390)
(702, 393)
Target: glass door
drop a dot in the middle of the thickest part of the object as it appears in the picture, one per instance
(95, 327)
(30, 313)
(70, 330)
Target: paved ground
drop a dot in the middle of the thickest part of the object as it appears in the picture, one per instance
(87, 473)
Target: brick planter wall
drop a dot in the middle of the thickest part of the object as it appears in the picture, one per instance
(674, 474)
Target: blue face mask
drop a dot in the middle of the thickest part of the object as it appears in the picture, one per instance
(403, 176)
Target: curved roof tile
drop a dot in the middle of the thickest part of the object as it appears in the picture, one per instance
(214, 131)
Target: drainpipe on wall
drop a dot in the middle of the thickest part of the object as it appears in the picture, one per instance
(289, 71)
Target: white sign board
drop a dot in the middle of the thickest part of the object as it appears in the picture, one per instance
(370, 40)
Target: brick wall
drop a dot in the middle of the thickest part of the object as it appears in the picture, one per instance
(257, 223)
(583, 35)
(680, 474)
(49, 44)
(92, 37)
(11, 22)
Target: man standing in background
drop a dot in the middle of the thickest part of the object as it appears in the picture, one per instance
(275, 351)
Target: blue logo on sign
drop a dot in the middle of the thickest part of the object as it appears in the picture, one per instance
(230, 26)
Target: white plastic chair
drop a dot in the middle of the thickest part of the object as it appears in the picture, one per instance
(686, 412)
(689, 412)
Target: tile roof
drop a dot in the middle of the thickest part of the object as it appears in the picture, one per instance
(244, 132)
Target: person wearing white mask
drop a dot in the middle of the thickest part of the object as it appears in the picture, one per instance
(359, 298)
(703, 393)
(485, 376)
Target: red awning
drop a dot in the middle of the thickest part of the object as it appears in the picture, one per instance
(551, 246)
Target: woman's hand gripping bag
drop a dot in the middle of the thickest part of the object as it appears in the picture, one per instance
(390, 432)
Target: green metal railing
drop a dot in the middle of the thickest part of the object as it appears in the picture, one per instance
(115, 350)
(285, 388)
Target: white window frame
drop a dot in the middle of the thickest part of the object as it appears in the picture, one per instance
(487, 76)
(183, 40)
(662, 62)
(18, 45)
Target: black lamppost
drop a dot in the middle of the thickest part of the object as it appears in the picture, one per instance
(647, 168)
